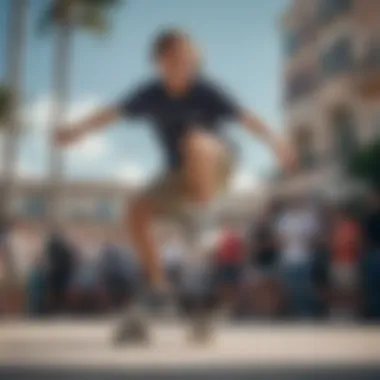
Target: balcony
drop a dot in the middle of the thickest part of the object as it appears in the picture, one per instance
(366, 14)
(300, 86)
(304, 141)
(299, 38)
(30, 207)
(367, 75)
(338, 59)
(330, 10)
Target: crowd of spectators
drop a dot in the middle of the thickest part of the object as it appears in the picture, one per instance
(296, 260)
(311, 261)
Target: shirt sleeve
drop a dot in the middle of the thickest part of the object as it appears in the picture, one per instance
(136, 104)
(223, 103)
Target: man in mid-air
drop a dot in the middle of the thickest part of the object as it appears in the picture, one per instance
(186, 110)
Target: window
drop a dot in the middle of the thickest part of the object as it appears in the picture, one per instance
(80, 208)
(330, 9)
(291, 44)
(372, 56)
(338, 59)
(106, 210)
(376, 125)
(300, 85)
(345, 135)
(34, 207)
(304, 143)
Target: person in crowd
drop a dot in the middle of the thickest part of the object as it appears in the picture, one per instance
(346, 248)
(322, 262)
(262, 280)
(37, 287)
(371, 263)
(60, 260)
(118, 274)
(230, 252)
(297, 227)
(85, 292)
(173, 252)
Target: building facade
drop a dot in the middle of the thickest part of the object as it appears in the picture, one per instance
(331, 86)
(98, 206)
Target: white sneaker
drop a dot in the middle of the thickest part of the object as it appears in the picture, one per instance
(201, 328)
(133, 329)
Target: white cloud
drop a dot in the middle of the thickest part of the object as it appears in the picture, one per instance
(37, 115)
(243, 181)
(131, 174)
(26, 170)
(22, 169)
(89, 149)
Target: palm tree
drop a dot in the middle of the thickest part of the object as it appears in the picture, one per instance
(5, 117)
(66, 16)
(10, 98)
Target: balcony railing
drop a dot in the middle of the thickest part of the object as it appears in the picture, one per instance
(300, 86)
(298, 39)
(367, 73)
(330, 10)
(371, 60)
(338, 59)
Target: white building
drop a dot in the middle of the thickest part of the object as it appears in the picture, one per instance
(98, 206)
(331, 88)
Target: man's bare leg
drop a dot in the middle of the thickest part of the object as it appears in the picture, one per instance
(139, 222)
(203, 155)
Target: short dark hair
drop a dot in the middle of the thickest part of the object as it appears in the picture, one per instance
(165, 40)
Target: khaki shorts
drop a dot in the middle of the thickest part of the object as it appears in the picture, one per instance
(170, 192)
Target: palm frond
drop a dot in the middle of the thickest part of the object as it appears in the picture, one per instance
(103, 3)
(46, 21)
(93, 19)
(95, 15)
(91, 15)
(54, 13)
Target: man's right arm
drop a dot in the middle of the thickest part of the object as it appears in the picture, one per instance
(134, 105)
(74, 132)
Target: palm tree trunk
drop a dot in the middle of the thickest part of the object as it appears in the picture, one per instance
(16, 59)
(60, 96)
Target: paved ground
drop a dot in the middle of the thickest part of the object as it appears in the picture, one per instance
(82, 350)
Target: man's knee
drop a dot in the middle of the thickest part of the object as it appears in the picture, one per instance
(200, 145)
(202, 155)
(140, 211)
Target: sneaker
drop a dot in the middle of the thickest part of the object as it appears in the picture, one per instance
(201, 328)
(133, 330)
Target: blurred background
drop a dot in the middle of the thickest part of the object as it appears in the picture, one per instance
(296, 247)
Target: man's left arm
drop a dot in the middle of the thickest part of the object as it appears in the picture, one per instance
(282, 149)
(227, 107)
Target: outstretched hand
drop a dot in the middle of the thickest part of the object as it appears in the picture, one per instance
(288, 158)
(64, 137)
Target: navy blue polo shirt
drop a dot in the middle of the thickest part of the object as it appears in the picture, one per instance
(205, 105)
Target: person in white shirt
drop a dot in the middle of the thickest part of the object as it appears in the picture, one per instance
(297, 229)
(173, 258)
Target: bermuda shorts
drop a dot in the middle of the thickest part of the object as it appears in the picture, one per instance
(170, 191)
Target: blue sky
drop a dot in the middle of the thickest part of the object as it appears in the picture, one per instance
(241, 42)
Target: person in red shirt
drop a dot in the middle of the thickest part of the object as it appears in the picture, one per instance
(230, 257)
(346, 245)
